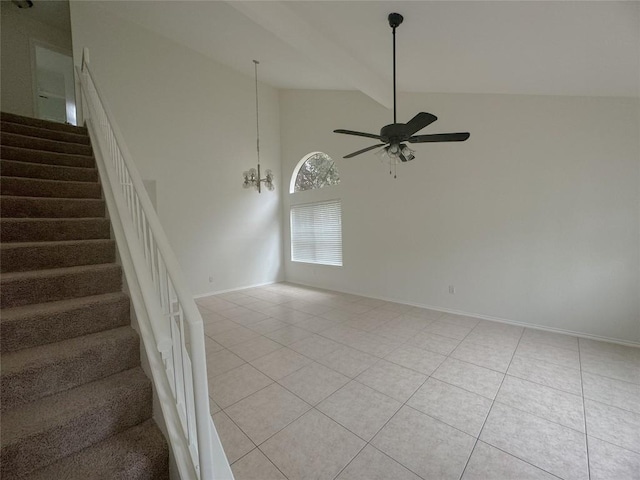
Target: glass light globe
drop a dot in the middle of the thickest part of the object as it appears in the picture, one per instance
(407, 153)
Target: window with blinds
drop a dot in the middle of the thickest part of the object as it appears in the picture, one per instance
(316, 233)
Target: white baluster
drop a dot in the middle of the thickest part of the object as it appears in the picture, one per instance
(171, 312)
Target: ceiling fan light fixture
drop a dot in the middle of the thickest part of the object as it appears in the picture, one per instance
(407, 153)
(393, 135)
(388, 157)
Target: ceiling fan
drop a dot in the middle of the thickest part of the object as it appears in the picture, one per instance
(392, 136)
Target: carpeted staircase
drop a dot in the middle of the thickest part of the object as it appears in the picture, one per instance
(75, 402)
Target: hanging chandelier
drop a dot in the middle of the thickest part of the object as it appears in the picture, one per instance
(252, 177)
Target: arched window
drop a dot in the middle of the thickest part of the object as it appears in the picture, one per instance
(316, 228)
(315, 170)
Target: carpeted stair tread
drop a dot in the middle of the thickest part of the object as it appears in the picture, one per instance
(44, 207)
(39, 433)
(139, 453)
(36, 122)
(12, 168)
(75, 402)
(43, 323)
(35, 155)
(36, 187)
(40, 286)
(53, 229)
(24, 141)
(38, 372)
(25, 256)
(46, 133)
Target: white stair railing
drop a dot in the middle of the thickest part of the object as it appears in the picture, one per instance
(169, 321)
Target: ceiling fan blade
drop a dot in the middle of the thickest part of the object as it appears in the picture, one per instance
(418, 122)
(359, 134)
(440, 137)
(364, 150)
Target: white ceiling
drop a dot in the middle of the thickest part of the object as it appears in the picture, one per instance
(538, 47)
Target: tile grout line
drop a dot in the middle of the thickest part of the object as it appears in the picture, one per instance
(541, 417)
(312, 407)
(257, 446)
(403, 344)
(490, 409)
(247, 396)
(277, 468)
(265, 456)
(399, 344)
(392, 416)
(359, 451)
(547, 361)
(584, 411)
(368, 442)
(608, 442)
(354, 379)
(521, 459)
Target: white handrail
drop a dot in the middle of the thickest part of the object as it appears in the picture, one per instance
(174, 320)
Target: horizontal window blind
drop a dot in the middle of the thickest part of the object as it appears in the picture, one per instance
(316, 233)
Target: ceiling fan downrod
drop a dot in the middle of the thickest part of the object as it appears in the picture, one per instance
(393, 136)
(395, 19)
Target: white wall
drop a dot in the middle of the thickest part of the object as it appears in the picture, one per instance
(534, 219)
(16, 34)
(190, 126)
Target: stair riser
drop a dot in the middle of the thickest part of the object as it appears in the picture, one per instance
(50, 288)
(53, 230)
(28, 187)
(29, 207)
(13, 140)
(42, 257)
(11, 168)
(48, 158)
(27, 331)
(123, 410)
(56, 135)
(36, 122)
(78, 367)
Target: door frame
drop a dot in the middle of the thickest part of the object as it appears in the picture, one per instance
(33, 43)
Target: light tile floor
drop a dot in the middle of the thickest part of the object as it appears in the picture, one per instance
(314, 384)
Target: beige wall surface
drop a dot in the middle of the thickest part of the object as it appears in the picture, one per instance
(534, 219)
(189, 124)
(16, 35)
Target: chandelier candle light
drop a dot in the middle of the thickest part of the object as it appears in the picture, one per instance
(252, 177)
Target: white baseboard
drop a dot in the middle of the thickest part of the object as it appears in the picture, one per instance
(485, 317)
(229, 290)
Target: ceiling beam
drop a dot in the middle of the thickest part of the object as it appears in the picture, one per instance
(279, 19)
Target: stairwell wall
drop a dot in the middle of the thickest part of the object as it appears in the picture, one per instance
(189, 124)
(16, 32)
(534, 219)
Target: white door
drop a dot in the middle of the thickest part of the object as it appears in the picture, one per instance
(54, 85)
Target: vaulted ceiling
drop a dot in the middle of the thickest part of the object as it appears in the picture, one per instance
(525, 47)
